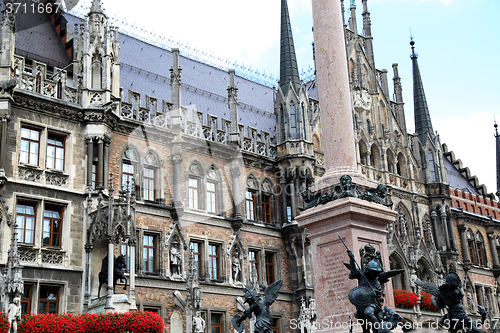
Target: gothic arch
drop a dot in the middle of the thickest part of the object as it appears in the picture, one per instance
(403, 224)
(363, 150)
(397, 262)
(390, 161)
(175, 239)
(401, 165)
(375, 156)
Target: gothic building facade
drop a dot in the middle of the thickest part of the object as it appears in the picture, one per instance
(113, 145)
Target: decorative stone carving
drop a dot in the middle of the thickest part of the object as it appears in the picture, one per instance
(30, 174)
(175, 259)
(96, 98)
(52, 257)
(236, 266)
(70, 95)
(56, 179)
(362, 100)
(27, 254)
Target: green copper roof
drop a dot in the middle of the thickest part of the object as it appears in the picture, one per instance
(288, 61)
(423, 124)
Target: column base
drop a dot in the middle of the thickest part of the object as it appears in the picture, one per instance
(358, 222)
(332, 177)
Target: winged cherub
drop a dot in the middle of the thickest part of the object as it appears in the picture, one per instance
(449, 294)
(259, 307)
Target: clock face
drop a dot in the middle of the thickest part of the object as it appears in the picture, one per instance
(150, 159)
(129, 153)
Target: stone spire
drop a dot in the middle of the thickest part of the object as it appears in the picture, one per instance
(497, 139)
(289, 72)
(423, 124)
(369, 45)
(14, 285)
(398, 94)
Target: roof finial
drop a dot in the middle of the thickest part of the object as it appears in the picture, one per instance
(496, 126)
(412, 43)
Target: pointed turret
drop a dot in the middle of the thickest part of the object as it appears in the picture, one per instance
(96, 7)
(289, 72)
(423, 124)
(398, 94)
(497, 139)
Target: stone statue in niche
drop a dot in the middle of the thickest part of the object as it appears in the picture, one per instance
(259, 307)
(14, 314)
(236, 266)
(368, 295)
(175, 259)
(450, 295)
(198, 323)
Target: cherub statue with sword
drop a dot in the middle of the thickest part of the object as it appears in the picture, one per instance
(368, 295)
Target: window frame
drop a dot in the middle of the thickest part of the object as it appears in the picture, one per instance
(214, 258)
(267, 202)
(194, 190)
(30, 141)
(214, 195)
(130, 177)
(63, 148)
(252, 262)
(219, 324)
(27, 300)
(251, 202)
(46, 300)
(23, 228)
(270, 267)
(60, 210)
(199, 264)
(154, 248)
(146, 191)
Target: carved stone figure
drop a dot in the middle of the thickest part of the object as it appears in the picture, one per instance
(348, 187)
(8, 86)
(259, 307)
(450, 295)
(367, 296)
(198, 323)
(236, 266)
(175, 259)
(14, 314)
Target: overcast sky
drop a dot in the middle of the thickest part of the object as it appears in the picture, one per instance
(456, 40)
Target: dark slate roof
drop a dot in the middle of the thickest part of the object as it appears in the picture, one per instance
(456, 179)
(145, 68)
(423, 124)
(37, 37)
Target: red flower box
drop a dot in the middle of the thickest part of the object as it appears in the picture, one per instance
(132, 322)
(426, 303)
(405, 299)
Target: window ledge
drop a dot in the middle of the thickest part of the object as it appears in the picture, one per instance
(61, 172)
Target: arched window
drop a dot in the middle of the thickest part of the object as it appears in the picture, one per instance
(267, 201)
(401, 165)
(471, 247)
(150, 176)
(374, 156)
(432, 169)
(293, 121)
(194, 186)
(390, 161)
(363, 153)
(130, 163)
(96, 80)
(251, 199)
(213, 191)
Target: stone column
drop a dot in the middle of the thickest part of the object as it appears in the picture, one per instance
(445, 228)
(359, 222)
(3, 141)
(88, 277)
(449, 224)
(111, 256)
(131, 293)
(333, 93)
(177, 159)
(463, 240)
(493, 246)
(235, 175)
(284, 199)
(90, 158)
(293, 205)
(107, 141)
(100, 164)
(435, 230)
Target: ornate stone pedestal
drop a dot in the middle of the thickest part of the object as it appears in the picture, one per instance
(120, 304)
(358, 222)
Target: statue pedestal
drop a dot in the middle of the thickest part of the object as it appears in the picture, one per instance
(358, 222)
(120, 304)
